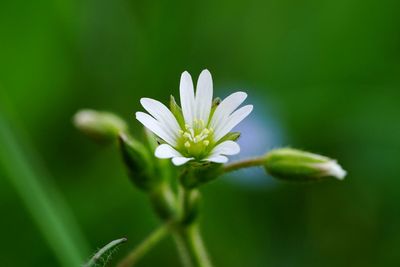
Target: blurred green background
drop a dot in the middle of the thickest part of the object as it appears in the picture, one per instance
(323, 76)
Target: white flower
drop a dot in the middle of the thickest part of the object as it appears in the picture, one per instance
(200, 130)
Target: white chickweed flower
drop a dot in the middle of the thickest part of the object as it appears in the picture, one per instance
(200, 130)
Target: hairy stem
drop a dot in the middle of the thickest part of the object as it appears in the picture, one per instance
(252, 162)
(147, 244)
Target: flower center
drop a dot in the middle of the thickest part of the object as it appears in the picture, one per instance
(196, 139)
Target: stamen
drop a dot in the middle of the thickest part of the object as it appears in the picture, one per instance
(196, 136)
(202, 123)
(205, 131)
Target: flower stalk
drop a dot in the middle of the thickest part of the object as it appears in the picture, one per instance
(246, 163)
(191, 247)
(136, 254)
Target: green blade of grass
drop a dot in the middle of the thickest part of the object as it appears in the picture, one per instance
(40, 197)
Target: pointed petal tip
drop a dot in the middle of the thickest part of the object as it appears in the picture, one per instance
(185, 74)
(138, 114)
(205, 72)
(337, 171)
(242, 94)
(143, 100)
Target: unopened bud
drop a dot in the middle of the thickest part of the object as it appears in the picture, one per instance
(139, 163)
(101, 126)
(296, 165)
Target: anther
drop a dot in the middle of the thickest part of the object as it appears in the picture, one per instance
(205, 131)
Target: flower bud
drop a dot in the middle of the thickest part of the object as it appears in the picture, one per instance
(101, 126)
(296, 165)
(139, 163)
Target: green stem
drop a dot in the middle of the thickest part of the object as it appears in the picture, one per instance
(104, 254)
(145, 246)
(191, 247)
(252, 162)
(186, 232)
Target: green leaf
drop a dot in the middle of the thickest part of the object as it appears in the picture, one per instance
(104, 255)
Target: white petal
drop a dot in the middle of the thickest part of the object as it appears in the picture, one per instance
(334, 169)
(165, 151)
(204, 95)
(217, 159)
(232, 121)
(162, 114)
(153, 125)
(226, 107)
(226, 148)
(187, 97)
(177, 161)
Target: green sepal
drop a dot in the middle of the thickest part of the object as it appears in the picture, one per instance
(233, 136)
(216, 102)
(104, 255)
(196, 174)
(177, 111)
(214, 106)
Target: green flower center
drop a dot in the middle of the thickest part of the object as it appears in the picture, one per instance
(196, 140)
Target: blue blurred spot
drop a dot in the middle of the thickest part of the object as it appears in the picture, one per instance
(260, 132)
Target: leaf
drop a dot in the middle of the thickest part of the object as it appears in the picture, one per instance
(104, 255)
